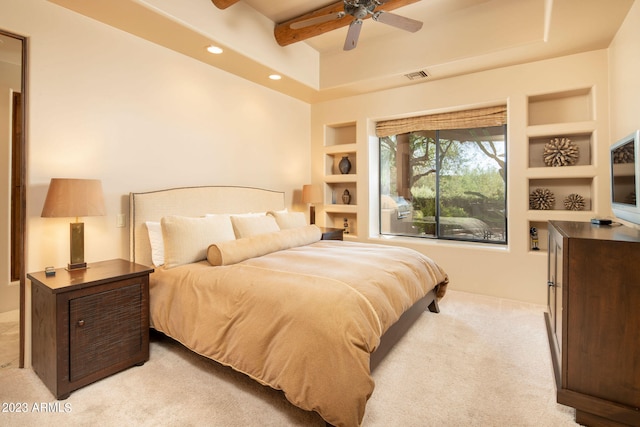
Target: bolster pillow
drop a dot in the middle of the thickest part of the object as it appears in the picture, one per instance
(234, 251)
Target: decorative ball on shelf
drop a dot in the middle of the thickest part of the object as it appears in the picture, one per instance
(541, 199)
(560, 152)
(574, 202)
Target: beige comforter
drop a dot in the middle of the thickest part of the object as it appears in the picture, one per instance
(303, 320)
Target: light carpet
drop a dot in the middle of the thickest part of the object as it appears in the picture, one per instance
(9, 339)
(481, 361)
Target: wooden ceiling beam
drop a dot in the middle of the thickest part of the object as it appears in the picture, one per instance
(285, 35)
(223, 4)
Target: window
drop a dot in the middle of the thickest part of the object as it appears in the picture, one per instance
(445, 183)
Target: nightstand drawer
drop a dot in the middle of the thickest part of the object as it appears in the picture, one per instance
(104, 327)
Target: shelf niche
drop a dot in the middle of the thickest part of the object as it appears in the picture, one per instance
(339, 134)
(340, 141)
(561, 107)
(561, 188)
(337, 220)
(582, 140)
(334, 192)
(332, 162)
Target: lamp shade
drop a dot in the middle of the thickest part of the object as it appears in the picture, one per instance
(74, 198)
(311, 194)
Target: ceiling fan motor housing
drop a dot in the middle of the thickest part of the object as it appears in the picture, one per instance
(360, 9)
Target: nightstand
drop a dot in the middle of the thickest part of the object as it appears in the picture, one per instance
(331, 233)
(88, 324)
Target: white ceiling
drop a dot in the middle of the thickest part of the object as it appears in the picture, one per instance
(458, 37)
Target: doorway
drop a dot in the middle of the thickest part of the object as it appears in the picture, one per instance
(13, 68)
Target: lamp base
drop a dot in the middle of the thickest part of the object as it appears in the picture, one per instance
(76, 261)
(77, 266)
(312, 214)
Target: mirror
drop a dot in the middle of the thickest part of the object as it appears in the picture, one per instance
(12, 194)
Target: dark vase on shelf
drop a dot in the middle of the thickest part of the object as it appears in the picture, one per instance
(346, 197)
(344, 165)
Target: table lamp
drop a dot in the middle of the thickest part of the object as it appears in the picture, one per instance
(74, 198)
(311, 194)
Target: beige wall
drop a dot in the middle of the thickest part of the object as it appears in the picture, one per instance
(512, 272)
(624, 63)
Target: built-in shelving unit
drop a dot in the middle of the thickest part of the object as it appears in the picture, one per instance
(569, 115)
(340, 142)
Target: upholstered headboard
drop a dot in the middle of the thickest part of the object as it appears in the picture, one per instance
(193, 202)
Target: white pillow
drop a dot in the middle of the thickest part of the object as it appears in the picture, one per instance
(247, 214)
(186, 239)
(218, 216)
(288, 220)
(156, 241)
(247, 226)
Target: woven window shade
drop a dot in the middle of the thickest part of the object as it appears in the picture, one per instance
(467, 119)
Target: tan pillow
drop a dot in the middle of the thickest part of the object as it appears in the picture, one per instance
(186, 239)
(234, 251)
(286, 220)
(247, 226)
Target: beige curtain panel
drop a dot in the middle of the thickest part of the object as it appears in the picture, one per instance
(477, 118)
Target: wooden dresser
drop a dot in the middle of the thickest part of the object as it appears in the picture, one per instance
(88, 324)
(593, 320)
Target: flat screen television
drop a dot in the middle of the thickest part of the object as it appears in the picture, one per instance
(625, 178)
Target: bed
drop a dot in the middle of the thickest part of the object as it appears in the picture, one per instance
(307, 316)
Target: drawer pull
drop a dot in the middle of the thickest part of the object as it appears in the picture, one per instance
(80, 323)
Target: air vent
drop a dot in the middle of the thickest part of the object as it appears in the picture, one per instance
(417, 75)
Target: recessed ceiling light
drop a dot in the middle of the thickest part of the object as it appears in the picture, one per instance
(214, 49)
(275, 76)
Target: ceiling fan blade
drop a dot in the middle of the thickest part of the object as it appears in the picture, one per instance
(352, 35)
(397, 21)
(317, 20)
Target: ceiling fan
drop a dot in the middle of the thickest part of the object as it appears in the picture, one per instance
(360, 9)
(337, 15)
